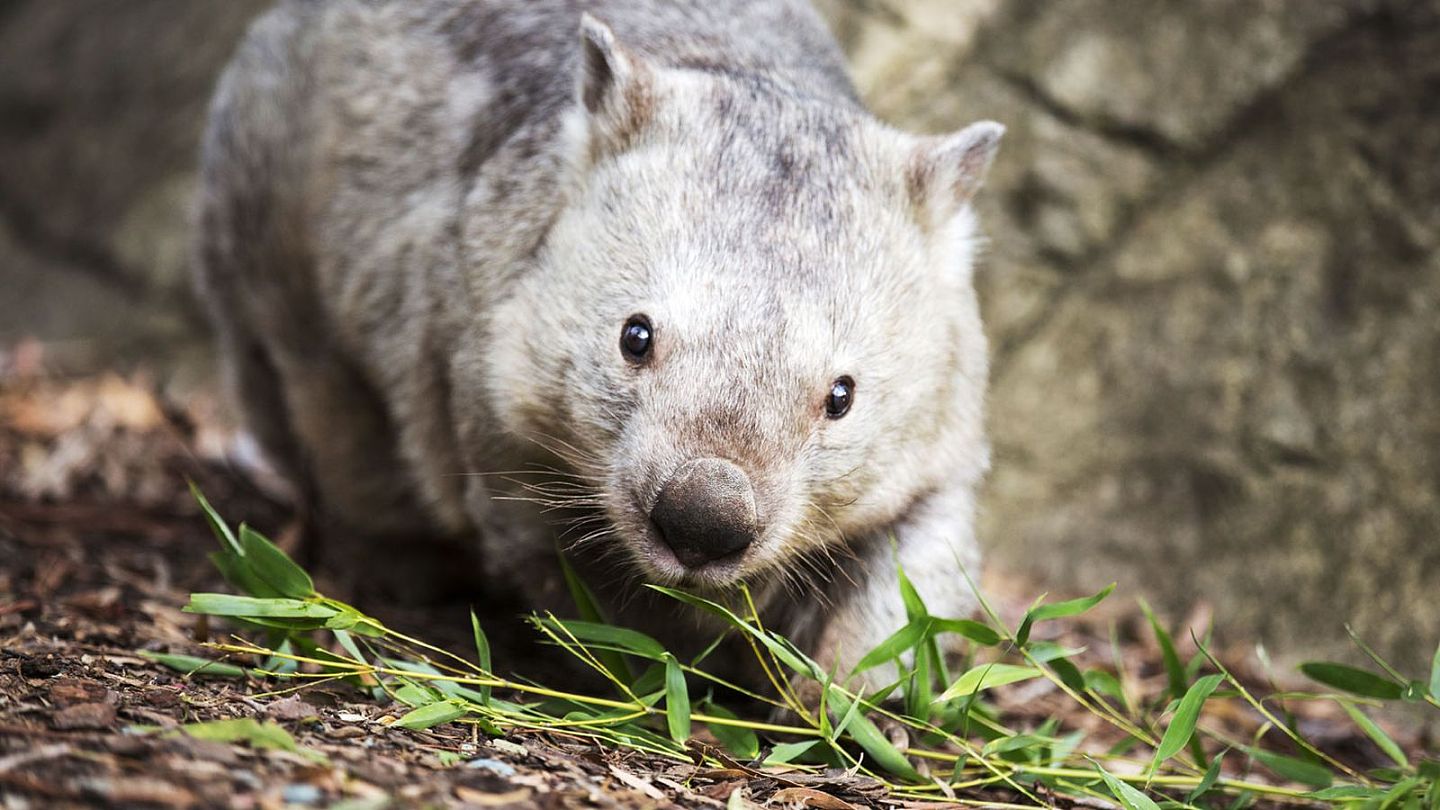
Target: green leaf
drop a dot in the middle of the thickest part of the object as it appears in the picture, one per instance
(1377, 734)
(1306, 773)
(1017, 742)
(482, 654)
(247, 729)
(347, 643)
(580, 593)
(248, 607)
(1129, 797)
(1068, 673)
(677, 701)
(783, 649)
(280, 663)
(1212, 774)
(432, 714)
(788, 752)
(899, 642)
(914, 605)
(868, 737)
(236, 572)
(217, 524)
(1174, 670)
(1182, 725)
(274, 566)
(345, 618)
(986, 676)
(738, 740)
(194, 666)
(973, 630)
(589, 609)
(1435, 674)
(842, 721)
(414, 695)
(1103, 683)
(1062, 748)
(1059, 610)
(630, 641)
(1350, 679)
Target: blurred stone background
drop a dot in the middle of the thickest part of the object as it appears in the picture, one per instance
(1212, 287)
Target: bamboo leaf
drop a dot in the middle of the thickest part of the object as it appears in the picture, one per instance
(1129, 797)
(1306, 773)
(1182, 725)
(194, 666)
(274, 566)
(677, 700)
(1068, 673)
(986, 676)
(1103, 683)
(247, 729)
(1174, 670)
(431, 714)
(972, 630)
(224, 604)
(914, 605)
(1374, 732)
(1435, 674)
(630, 641)
(482, 654)
(234, 569)
(347, 643)
(1206, 782)
(785, 753)
(590, 611)
(1350, 679)
(217, 524)
(738, 740)
(899, 642)
(1059, 610)
(868, 737)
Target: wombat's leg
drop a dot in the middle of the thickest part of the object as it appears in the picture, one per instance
(935, 545)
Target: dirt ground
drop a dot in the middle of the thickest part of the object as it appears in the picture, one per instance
(100, 545)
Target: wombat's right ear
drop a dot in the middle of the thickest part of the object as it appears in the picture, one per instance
(946, 172)
(615, 87)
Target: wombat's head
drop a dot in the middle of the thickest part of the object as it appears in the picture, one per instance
(751, 332)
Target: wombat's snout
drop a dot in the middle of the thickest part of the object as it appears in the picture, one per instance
(706, 511)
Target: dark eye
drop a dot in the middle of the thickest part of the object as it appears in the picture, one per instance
(842, 393)
(635, 338)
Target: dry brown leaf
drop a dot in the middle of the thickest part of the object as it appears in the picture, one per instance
(808, 797)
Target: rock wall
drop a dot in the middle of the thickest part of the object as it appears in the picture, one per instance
(101, 107)
(1213, 289)
(1212, 286)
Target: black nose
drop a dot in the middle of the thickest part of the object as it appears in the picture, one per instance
(706, 511)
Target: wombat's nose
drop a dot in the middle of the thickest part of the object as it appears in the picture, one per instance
(706, 511)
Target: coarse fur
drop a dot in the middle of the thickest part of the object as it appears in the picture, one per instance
(424, 223)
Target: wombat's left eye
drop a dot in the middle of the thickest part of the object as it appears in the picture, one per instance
(635, 338)
(842, 393)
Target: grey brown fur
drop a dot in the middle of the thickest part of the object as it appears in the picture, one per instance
(424, 223)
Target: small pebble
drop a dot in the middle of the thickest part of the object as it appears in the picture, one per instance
(301, 794)
(507, 747)
(494, 766)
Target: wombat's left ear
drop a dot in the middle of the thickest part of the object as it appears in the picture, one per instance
(616, 87)
(945, 172)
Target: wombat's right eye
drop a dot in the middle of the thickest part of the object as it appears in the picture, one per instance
(635, 338)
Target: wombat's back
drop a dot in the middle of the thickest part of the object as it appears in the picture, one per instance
(342, 142)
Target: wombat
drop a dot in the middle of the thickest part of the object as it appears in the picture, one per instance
(640, 280)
